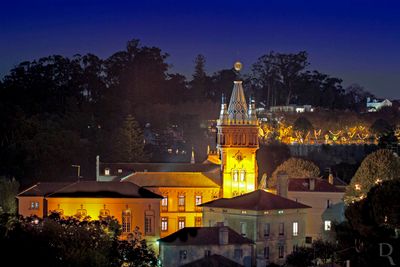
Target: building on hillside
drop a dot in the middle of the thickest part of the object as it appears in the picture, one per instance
(191, 244)
(277, 225)
(131, 205)
(292, 108)
(374, 105)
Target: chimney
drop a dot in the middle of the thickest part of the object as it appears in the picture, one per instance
(282, 184)
(312, 184)
(223, 235)
(330, 178)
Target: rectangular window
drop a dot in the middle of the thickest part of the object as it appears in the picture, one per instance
(266, 229)
(281, 251)
(181, 203)
(182, 254)
(36, 205)
(164, 204)
(164, 223)
(295, 228)
(197, 221)
(149, 223)
(235, 175)
(281, 229)
(126, 221)
(243, 229)
(207, 253)
(295, 248)
(198, 201)
(181, 222)
(242, 175)
(238, 253)
(106, 171)
(266, 252)
(308, 239)
(327, 225)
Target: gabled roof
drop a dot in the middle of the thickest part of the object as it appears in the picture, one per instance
(158, 167)
(202, 236)
(42, 189)
(171, 179)
(321, 185)
(258, 200)
(213, 261)
(93, 189)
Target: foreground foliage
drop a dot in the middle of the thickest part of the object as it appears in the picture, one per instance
(56, 241)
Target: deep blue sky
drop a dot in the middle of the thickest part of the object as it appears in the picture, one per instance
(358, 41)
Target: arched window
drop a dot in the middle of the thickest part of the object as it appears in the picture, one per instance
(235, 175)
(126, 221)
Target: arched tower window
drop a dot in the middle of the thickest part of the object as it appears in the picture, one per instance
(242, 175)
(235, 175)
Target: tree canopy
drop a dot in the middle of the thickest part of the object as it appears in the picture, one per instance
(379, 166)
(295, 168)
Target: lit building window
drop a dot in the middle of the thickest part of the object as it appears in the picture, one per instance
(281, 228)
(266, 252)
(197, 221)
(357, 187)
(327, 225)
(164, 204)
(295, 228)
(242, 175)
(149, 223)
(119, 170)
(281, 251)
(198, 200)
(267, 228)
(126, 221)
(181, 222)
(164, 223)
(181, 203)
(280, 211)
(235, 175)
(243, 229)
(106, 171)
(34, 205)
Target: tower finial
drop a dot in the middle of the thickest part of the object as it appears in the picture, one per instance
(192, 160)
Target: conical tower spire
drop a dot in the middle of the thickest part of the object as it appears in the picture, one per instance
(237, 109)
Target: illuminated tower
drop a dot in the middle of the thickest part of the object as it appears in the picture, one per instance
(237, 142)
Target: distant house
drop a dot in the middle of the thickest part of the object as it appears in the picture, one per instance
(292, 108)
(132, 205)
(191, 246)
(325, 200)
(374, 105)
(276, 224)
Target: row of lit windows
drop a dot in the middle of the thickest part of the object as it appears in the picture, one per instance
(181, 222)
(238, 175)
(34, 205)
(181, 203)
(267, 229)
(237, 254)
(237, 139)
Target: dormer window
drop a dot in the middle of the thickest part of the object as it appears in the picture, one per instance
(106, 171)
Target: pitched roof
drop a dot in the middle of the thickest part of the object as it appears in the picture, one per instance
(95, 189)
(42, 189)
(214, 260)
(171, 179)
(257, 200)
(158, 167)
(202, 236)
(321, 185)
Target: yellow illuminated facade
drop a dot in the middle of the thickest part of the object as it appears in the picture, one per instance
(237, 143)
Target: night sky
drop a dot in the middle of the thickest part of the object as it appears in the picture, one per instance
(358, 41)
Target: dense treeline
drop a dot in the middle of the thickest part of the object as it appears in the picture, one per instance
(58, 111)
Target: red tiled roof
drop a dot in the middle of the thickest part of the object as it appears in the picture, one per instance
(202, 236)
(213, 261)
(257, 200)
(303, 184)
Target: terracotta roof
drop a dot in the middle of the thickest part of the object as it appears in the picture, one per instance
(257, 200)
(213, 261)
(42, 189)
(202, 236)
(158, 167)
(95, 189)
(321, 185)
(171, 179)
